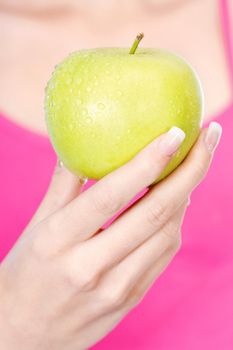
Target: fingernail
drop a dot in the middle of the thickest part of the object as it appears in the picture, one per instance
(213, 136)
(171, 141)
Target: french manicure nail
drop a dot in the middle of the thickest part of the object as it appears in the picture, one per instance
(171, 141)
(213, 136)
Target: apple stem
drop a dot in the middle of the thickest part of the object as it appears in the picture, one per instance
(135, 43)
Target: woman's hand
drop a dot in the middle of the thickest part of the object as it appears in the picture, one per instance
(64, 286)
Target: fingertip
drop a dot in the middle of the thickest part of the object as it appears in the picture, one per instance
(171, 141)
(213, 136)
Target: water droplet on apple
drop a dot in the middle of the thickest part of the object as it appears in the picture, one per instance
(83, 180)
(101, 106)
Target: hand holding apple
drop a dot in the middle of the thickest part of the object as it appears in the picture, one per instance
(65, 287)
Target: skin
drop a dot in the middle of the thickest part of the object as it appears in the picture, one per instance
(83, 298)
(52, 295)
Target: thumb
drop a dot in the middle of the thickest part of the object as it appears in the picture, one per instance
(63, 188)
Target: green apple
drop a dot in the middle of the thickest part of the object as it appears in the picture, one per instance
(104, 105)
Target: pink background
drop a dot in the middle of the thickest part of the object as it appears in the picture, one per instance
(190, 307)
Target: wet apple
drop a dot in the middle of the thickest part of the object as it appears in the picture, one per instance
(104, 105)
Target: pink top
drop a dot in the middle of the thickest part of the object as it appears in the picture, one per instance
(190, 307)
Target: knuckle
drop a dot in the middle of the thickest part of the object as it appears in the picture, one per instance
(87, 282)
(105, 202)
(78, 276)
(133, 301)
(113, 298)
(157, 214)
(82, 282)
(135, 298)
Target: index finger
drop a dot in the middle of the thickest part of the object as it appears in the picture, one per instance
(86, 214)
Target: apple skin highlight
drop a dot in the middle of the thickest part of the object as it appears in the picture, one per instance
(104, 105)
